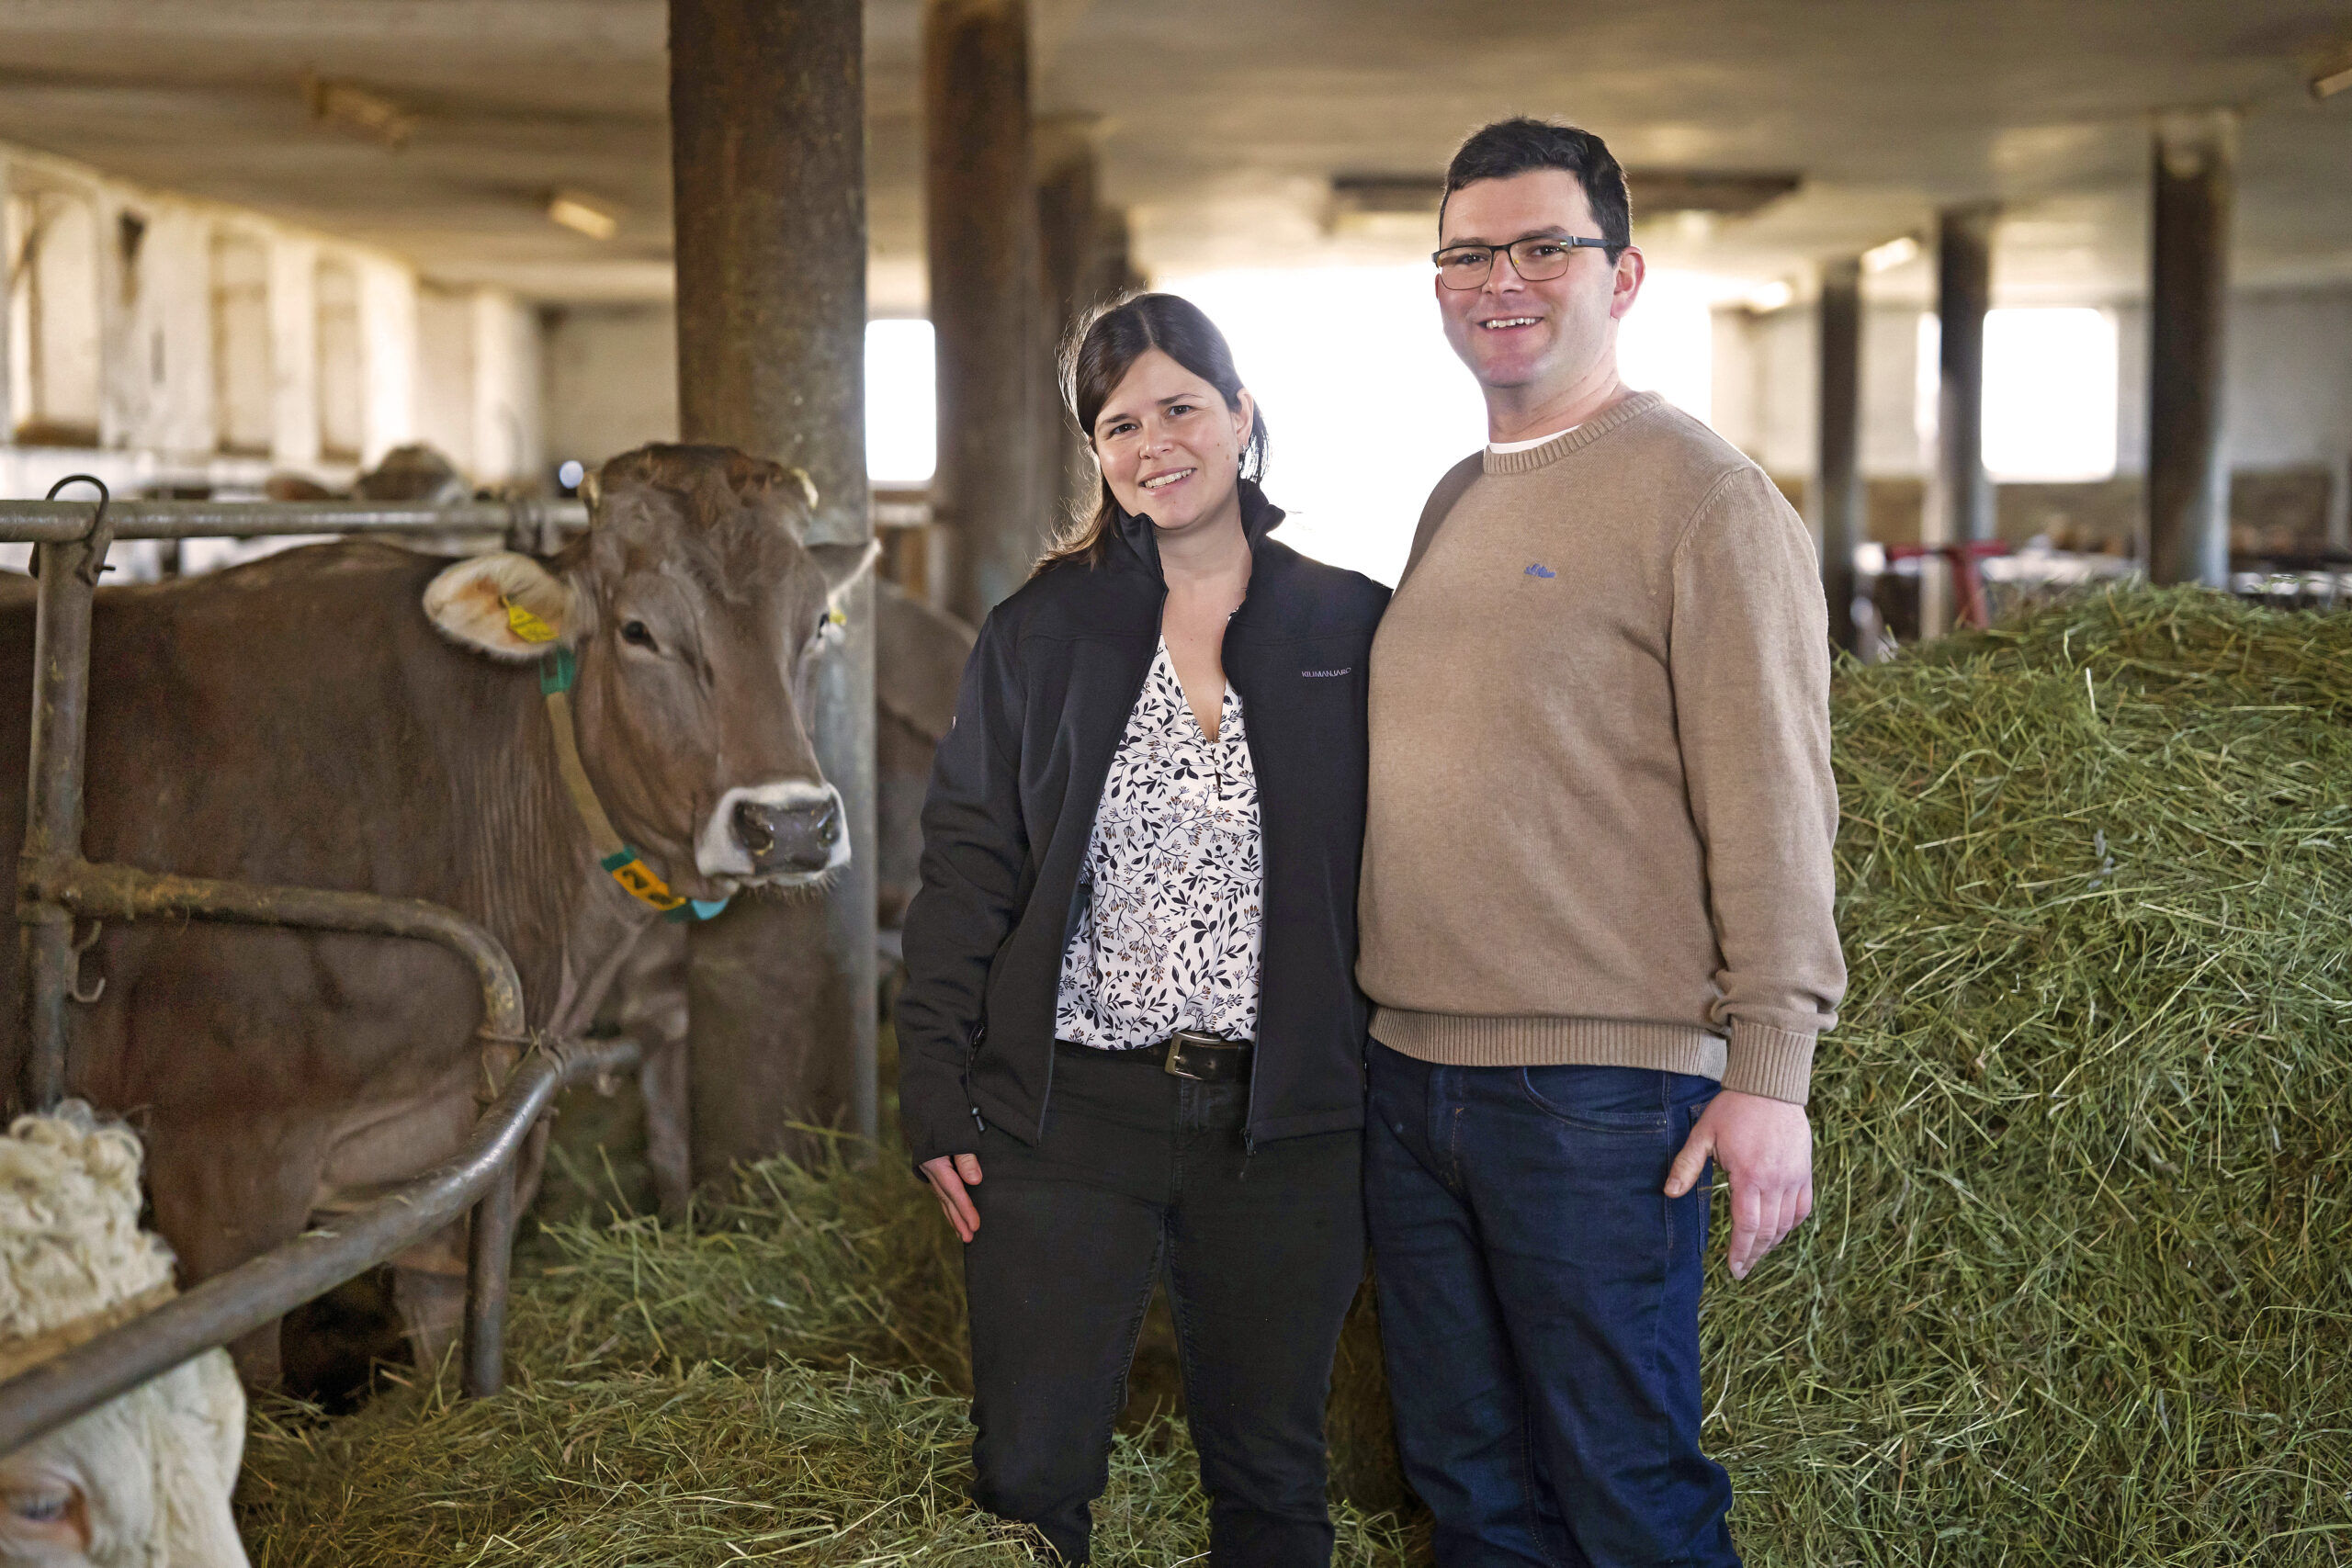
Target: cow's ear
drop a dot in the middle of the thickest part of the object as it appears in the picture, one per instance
(842, 565)
(506, 606)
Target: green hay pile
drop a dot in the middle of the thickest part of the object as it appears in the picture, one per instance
(785, 1379)
(2078, 1289)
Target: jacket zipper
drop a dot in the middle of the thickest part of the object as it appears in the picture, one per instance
(1249, 745)
(1093, 814)
(971, 1053)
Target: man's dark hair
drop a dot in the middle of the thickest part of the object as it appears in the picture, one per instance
(1518, 146)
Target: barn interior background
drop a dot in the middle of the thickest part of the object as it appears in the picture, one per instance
(2010, 298)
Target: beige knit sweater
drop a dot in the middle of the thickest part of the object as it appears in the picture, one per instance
(1601, 811)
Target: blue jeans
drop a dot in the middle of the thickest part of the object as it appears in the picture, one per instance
(1539, 1302)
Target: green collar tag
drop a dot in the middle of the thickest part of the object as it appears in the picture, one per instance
(559, 667)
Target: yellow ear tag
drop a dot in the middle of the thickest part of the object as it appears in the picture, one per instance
(526, 626)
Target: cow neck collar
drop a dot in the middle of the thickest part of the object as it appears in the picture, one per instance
(558, 669)
(1141, 536)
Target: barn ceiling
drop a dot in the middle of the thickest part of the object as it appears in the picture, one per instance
(438, 129)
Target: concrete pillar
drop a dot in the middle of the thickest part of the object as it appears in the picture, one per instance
(1963, 293)
(1115, 253)
(2189, 483)
(8, 411)
(1959, 497)
(1838, 485)
(980, 216)
(768, 163)
(1071, 282)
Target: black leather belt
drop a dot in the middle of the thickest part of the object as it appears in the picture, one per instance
(1190, 1053)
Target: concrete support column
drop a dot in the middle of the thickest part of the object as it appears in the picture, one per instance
(1838, 479)
(1962, 509)
(768, 163)
(2189, 483)
(8, 411)
(1963, 293)
(1075, 275)
(980, 215)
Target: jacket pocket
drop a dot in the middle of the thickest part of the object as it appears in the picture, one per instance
(971, 1054)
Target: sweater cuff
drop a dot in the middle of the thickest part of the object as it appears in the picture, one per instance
(1775, 1062)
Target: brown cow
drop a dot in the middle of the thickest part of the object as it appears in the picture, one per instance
(356, 716)
(919, 655)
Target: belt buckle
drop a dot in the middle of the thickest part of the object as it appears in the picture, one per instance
(1176, 1043)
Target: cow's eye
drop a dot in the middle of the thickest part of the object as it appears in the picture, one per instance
(635, 632)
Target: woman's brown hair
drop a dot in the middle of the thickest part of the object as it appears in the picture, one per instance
(1100, 358)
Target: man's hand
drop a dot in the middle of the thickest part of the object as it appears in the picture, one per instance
(950, 1174)
(1766, 1148)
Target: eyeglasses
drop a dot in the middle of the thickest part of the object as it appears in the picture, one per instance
(1537, 259)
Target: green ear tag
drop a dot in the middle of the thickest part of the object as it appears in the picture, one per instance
(557, 668)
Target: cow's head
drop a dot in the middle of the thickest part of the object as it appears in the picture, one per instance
(697, 613)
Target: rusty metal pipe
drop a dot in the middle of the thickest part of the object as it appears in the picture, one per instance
(76, 886)
(125, 893)
(490, 1253)
(231, 1304)
(66, 522)
(68, 575)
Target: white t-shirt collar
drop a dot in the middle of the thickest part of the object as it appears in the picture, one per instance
(1503, 448)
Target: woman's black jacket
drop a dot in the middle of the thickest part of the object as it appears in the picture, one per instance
(1045, 703)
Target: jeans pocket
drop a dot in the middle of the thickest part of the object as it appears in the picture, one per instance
(1600, 1100)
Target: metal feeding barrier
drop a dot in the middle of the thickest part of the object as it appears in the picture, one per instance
(55, 887)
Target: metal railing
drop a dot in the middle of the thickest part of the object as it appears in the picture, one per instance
(55, 887)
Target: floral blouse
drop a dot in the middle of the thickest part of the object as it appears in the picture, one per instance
(1172, 893)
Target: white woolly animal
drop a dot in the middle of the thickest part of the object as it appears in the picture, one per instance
(143, 1482)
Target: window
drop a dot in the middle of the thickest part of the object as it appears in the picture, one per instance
(901, 402)
(242, 390)
(343, 407)
(2049, 393)
(54, 318)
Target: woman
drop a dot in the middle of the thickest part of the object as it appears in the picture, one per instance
(1130, 1040)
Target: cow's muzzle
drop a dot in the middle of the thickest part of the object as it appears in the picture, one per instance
(787, 837)
(782, 833)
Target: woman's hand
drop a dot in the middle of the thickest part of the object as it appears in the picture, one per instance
(949, 1175)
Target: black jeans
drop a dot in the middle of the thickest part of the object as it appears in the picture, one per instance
(1141, 1173)
(1539, 1309)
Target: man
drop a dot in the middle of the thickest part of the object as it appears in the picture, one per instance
(1596, 899)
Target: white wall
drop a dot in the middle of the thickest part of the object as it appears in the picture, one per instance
(611, 381)
(509, 421)
(2288, 398)
(1767, 378)
(445, 374)
(389, 347)
(161, 385)
(479, 397)
(475, 389)
(294, 350)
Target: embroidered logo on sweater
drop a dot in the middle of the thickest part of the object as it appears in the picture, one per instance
(1537, 568)
(1326, 674)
